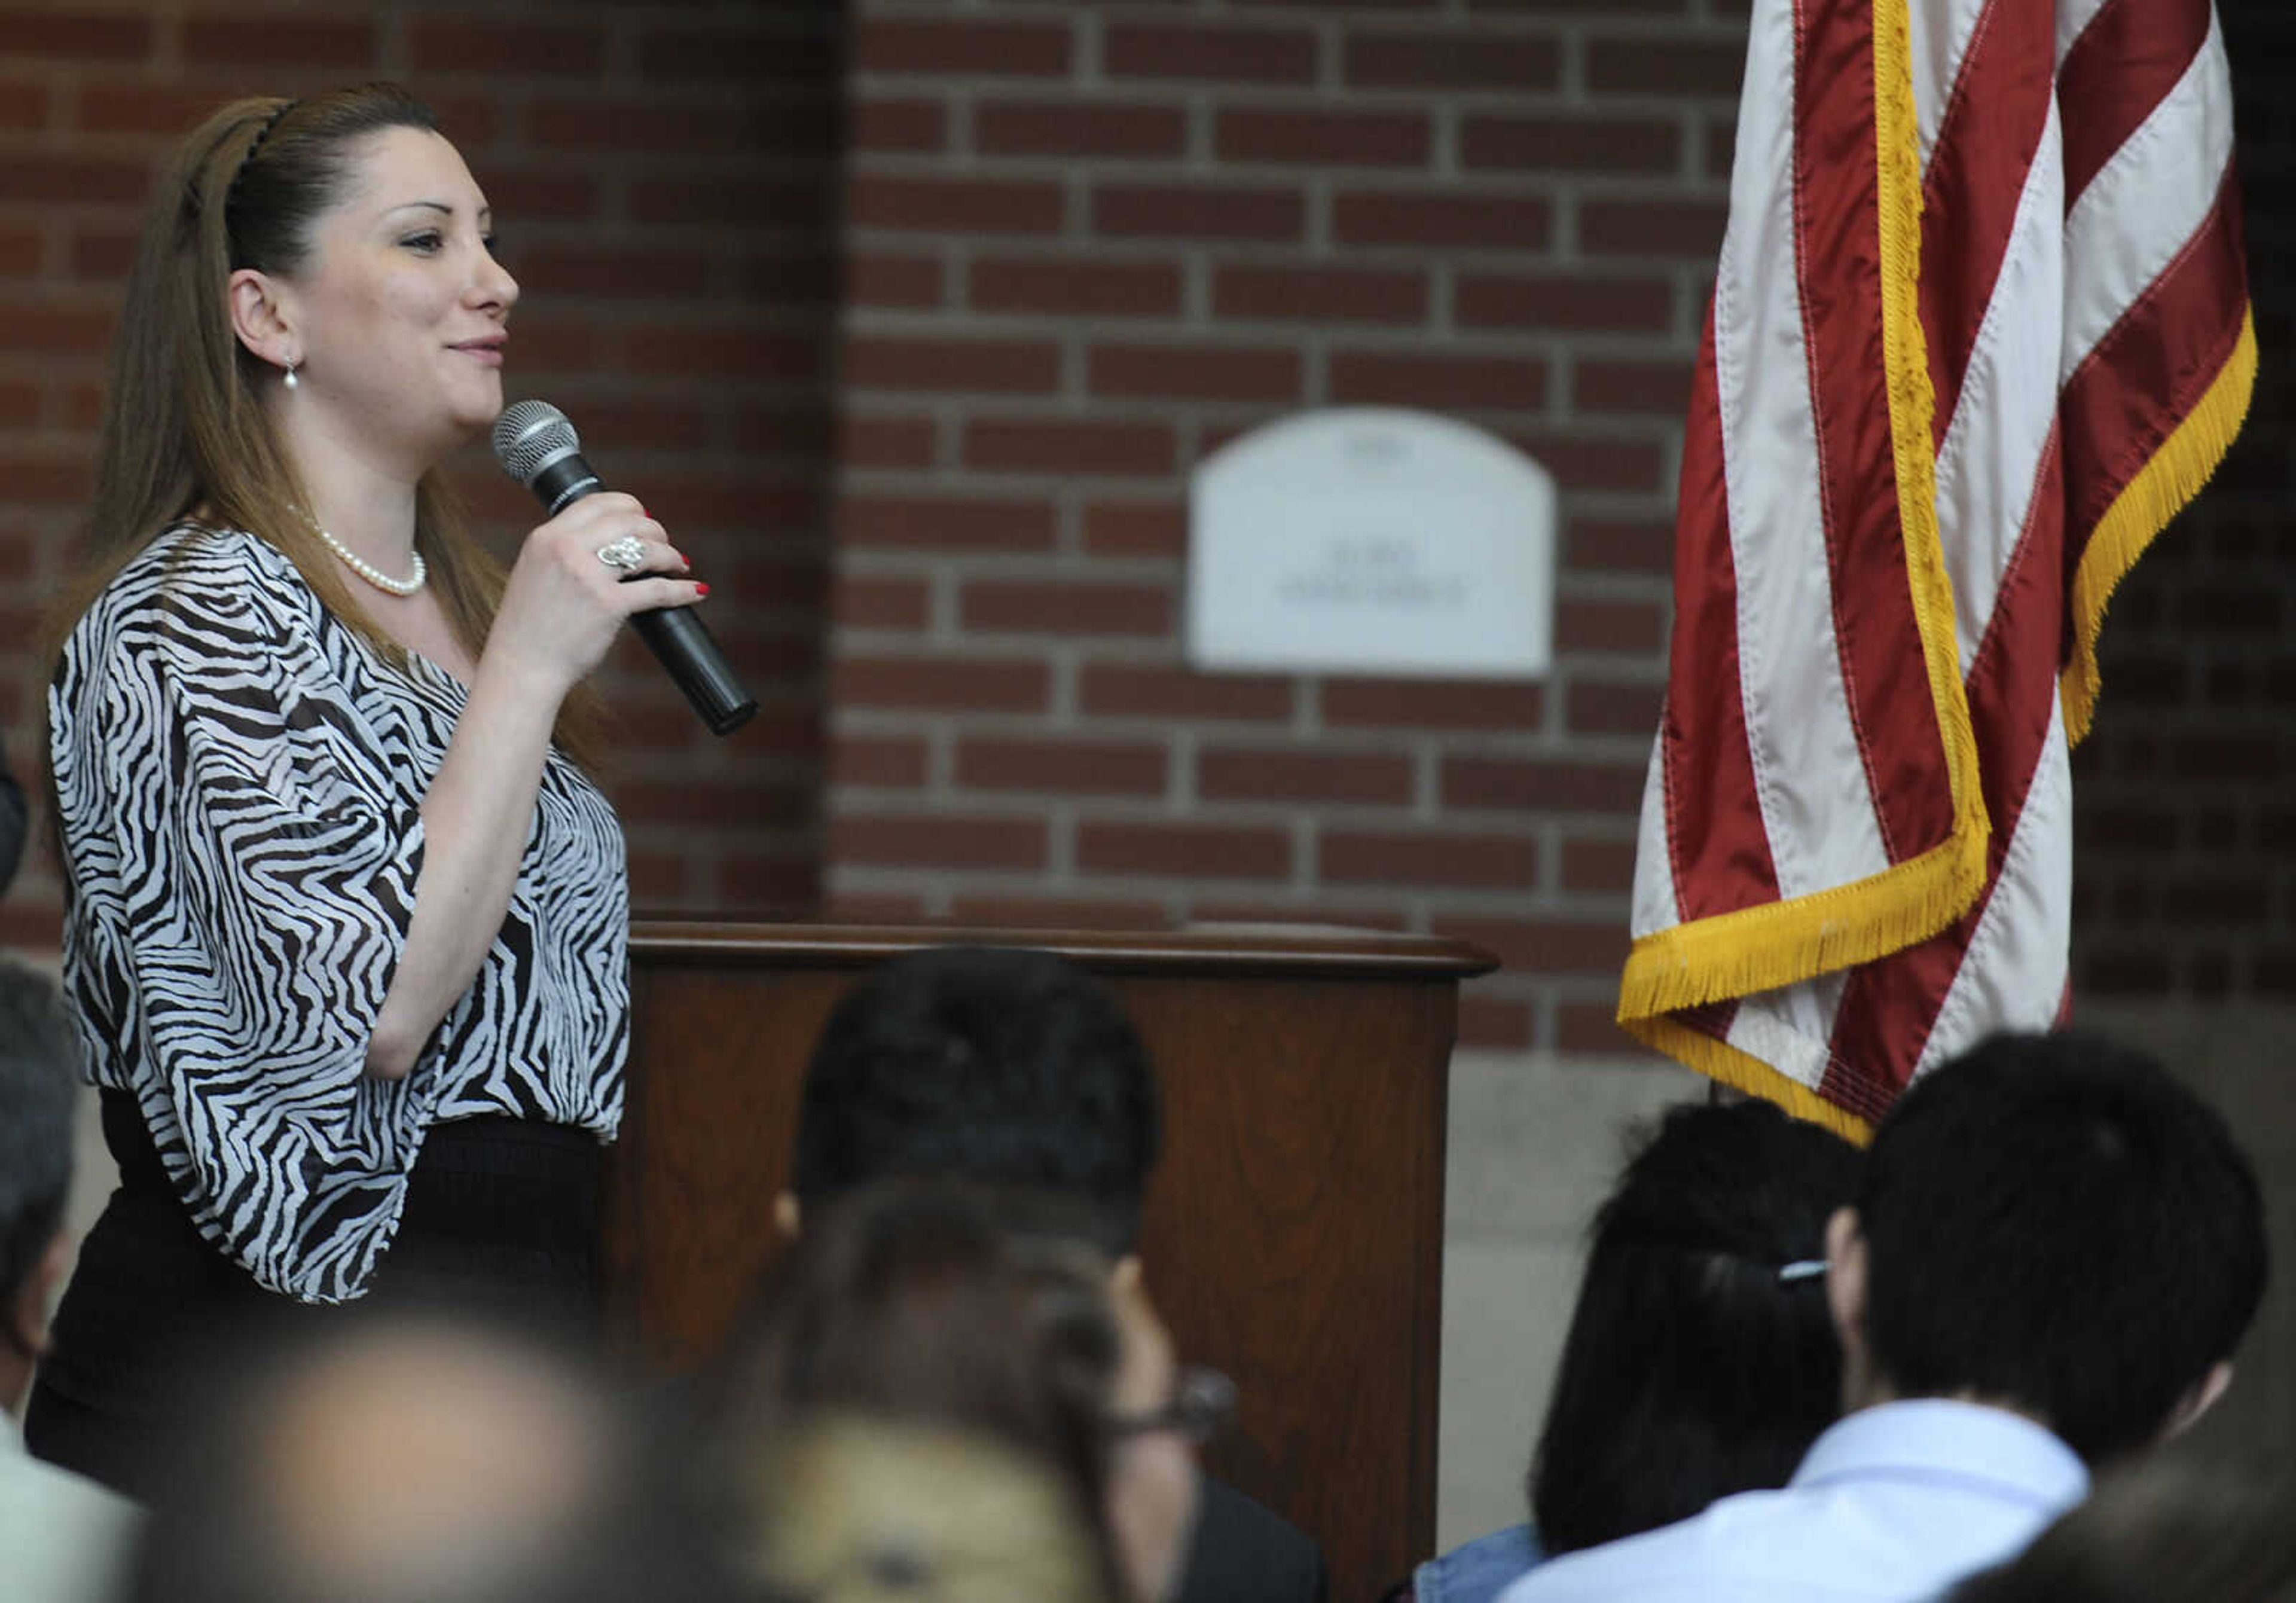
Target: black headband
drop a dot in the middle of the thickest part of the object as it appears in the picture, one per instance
(253, 145)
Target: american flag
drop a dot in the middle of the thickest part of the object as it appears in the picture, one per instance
(1979, 328)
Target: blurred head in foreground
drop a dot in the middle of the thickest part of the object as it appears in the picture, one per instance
(2160, 1532)
(866, 1509)
(1701, 1360)
(980, 1315)
(2053, 1225)
(419, 1459)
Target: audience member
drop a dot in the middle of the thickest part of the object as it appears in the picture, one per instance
(1016, 1068)
(2055, 1250)
(1008, 1068)
(933, 1305)
(60, 1535)
(2165, 1531)
(405, 1458)
(1701, 1360)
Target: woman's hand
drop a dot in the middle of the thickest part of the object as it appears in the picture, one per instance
(563, 605)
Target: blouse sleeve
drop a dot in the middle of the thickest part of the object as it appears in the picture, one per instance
(260, 877)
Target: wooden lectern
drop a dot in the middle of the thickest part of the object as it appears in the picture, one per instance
(1294, 1229)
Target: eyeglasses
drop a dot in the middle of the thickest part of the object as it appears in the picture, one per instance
(1203, 1401)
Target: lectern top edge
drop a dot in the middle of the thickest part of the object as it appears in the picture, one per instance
(1305, 950)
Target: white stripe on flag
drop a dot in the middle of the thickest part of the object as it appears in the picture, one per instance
(2012, 974)
(1809, 776)
(1655, 907)
(1789, 1029)
(2146, 203)
(1941, 41)
(2073, 18)
(2007, 403)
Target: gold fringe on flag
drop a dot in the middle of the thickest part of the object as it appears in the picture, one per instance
(1718, 1060)
(2162, 489)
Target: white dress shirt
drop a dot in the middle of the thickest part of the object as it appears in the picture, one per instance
(1896, 1502)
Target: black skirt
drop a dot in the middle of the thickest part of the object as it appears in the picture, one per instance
(500, 1225)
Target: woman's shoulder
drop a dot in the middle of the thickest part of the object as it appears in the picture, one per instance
(192, 554)
(202, 576)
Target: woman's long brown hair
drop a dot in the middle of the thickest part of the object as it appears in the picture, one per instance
(184, 424)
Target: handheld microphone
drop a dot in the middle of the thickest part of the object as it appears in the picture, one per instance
(538, 447)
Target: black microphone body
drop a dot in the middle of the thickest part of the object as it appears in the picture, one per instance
(563, 482)
(677, 635)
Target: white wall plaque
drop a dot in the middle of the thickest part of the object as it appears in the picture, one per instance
(1372, 540)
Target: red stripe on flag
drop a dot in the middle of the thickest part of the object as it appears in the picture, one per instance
(1837, 251)
(1888, 1008)
(1716, 842)
(2129, 394)
(2129, 57)
(1715, 1019)
(1985, 141)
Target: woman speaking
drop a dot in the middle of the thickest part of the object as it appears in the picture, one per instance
(346, 921)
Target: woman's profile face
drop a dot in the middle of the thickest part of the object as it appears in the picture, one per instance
(400, 310)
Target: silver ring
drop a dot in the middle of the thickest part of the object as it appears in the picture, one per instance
(624, 553)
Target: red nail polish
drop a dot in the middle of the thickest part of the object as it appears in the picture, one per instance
(703, 589)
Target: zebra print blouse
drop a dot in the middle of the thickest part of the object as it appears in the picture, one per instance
(240, 779)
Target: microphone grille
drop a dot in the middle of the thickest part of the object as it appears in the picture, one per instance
(532, 435)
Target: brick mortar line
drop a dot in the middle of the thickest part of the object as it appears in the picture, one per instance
(1069, 503)
(1216, 738)
(1076, 202)
(1211, 97)
(1419, 179)
(963, 328)
(1422, 905)
(1603, 505)
(1598, 584)
(1427, 780)
(1131, 649)
(944, 599)
(1090, 48)
(1453, 23)
(1267, 252)
(1160, 332)
(1172, 893)
(1049, 406)
(951, 476)
(1566, 97)
(1306, 839)
(1318, 219)
(1196, 290)
(1452, 823)
(879, 878)
(1498, 260)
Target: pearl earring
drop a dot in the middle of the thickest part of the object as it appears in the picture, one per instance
(291, 381)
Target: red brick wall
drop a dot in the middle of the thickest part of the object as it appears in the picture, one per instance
(1084, 243)
(1088, 243)
(663, 176)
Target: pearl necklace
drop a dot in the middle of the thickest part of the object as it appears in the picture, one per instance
(367, 570)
